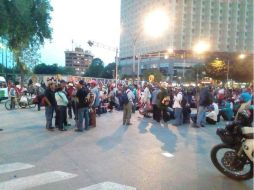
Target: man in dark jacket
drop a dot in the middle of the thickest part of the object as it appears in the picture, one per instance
(83, 106)
(50, 104)
(205, 99)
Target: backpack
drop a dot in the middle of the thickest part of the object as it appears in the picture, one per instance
(125, 98)
(41, 91)
(184, 101)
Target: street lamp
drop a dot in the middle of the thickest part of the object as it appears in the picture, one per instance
(200, 48)
(156, 23)
(242, 56)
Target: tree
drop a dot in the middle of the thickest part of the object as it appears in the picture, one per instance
(109, 71)
(191, 74)
(53, 69)
(242, 70)
(217, 69)
(24, 24)
(95, 69)
(158, 76)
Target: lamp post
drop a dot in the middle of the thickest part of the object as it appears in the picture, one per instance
(200, 48)
(227, 70)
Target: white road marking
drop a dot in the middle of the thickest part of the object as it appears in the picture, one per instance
(35, 180)
(5, 168)
(108, 186)
(167, 154)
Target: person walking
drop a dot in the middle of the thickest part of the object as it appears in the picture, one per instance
(50, 104)
(128, 98)
(62, 102)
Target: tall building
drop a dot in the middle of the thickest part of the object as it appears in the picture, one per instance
(78, 59)
(227, 25)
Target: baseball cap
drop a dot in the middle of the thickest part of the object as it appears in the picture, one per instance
(62, 81)
(93, 82)
(81, 82)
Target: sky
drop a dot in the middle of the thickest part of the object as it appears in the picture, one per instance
(80, 21)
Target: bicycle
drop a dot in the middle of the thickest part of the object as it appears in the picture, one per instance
(23, 102)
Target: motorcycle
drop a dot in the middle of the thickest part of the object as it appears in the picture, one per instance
(235, 156)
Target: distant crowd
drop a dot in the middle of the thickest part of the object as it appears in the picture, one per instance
(84, 101)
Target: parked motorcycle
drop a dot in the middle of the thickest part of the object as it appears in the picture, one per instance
(235, 156)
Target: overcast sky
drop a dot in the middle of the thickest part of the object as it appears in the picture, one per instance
(80, 21)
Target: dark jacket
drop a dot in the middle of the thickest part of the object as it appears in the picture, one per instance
(205, 97)
(162, 94)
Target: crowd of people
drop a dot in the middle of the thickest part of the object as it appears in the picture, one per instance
(83, 101)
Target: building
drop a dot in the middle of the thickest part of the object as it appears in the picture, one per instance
(227, 25)
(78, 59)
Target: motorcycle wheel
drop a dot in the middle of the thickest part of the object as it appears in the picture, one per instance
(8, 105)
(236, 175)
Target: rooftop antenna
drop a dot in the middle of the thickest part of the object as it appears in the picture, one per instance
(72, 45)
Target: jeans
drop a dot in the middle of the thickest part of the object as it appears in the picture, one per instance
(127, 110)
(69, 106)
(83, 113)
(86, 115)
(201, 115)
(49, 110)
(62, 111)
(178, 116)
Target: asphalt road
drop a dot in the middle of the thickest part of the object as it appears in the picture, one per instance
(143, 156)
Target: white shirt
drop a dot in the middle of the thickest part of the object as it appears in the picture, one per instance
(146, 95)
(177, 100)
(130, 95)
(216, 108)
(213, 114)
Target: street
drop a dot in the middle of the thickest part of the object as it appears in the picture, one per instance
(144, 156)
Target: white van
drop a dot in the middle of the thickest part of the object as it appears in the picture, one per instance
(3, 89)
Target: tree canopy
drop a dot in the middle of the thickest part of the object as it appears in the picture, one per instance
(95, 69)
(158, 76)
(240, 70)
(53, 69)
(24, 24)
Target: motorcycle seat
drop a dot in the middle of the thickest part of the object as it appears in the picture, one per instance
(248, 132)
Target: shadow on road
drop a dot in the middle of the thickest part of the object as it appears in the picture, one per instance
(113, 140)
(166, 136)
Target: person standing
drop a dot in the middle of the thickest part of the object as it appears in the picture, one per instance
(82, 107)
(96, 92)
(205, 99)
(70, 93)
(128, 97)
(39, 92)
(163, 100)
(178, 108)
(62, 102)
(134, 107)
(146, 99)
(12, 95)
(50, 104)
(154, 102)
